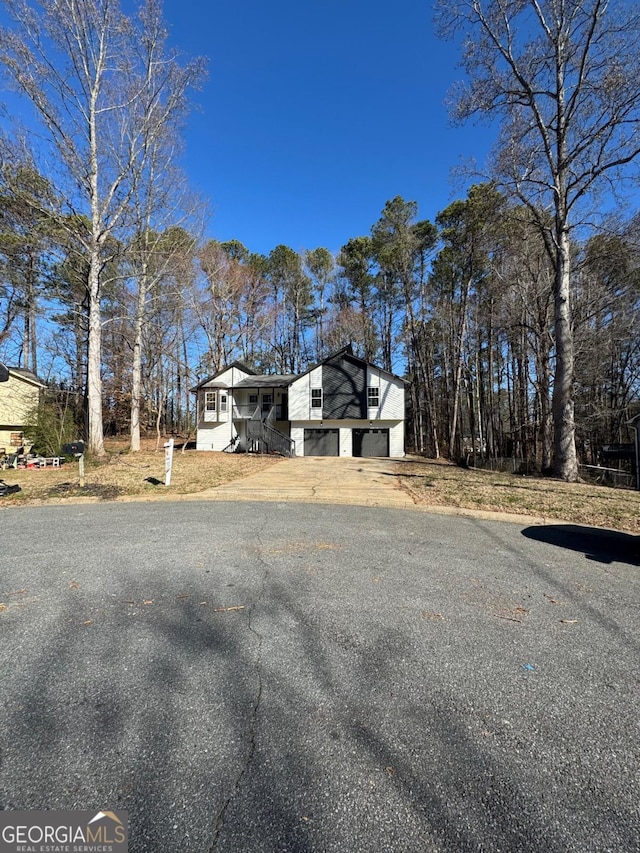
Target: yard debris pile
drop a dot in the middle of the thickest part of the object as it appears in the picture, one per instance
(104, 491)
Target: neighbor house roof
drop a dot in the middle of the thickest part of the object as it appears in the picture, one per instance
(27, 375)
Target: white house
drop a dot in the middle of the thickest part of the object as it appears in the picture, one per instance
(341, 407)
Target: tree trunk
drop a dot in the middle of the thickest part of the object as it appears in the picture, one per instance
(543, 385)
(565, 462)
(136, 366)
(94, 358)
(456, 446)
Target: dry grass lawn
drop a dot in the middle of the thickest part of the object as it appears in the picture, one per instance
(429, 482)
(434, 483)
(123, 474)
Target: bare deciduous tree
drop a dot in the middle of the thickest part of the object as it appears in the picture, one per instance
(161, 202)
(563, 76)
(79, 62)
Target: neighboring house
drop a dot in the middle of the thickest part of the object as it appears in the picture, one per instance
(18, 397)
(341, 407)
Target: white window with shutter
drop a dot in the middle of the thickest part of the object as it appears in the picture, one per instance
(210, 406)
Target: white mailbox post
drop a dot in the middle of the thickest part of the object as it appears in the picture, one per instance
(168, 461)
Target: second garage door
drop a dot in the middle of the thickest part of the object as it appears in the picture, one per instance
(321, 442)
(371, 442)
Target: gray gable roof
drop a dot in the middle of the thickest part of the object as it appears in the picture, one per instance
(256, 380)
(276, 380)
(21, 373)
(210, 381)
(348, 352)
(282, 380)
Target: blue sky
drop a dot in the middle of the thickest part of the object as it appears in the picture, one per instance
(315, 113)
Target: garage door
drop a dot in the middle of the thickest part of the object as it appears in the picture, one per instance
(371, 442)
(321, 442)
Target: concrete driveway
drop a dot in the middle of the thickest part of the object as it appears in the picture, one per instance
(321, 479)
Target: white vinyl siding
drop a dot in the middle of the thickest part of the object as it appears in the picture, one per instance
(396, 440)
(300, 396)
(391, 395)
(214, 436)
(232, 376)
(346, 441)
(228, 376)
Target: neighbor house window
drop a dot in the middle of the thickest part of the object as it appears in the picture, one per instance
(316, 398)
(209, 401)
(223, 402)
(253, 399)
(373, 398)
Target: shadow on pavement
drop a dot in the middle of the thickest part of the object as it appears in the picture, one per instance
(242, 702)
(603, 546)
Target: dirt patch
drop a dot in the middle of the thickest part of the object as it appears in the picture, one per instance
(94, 490)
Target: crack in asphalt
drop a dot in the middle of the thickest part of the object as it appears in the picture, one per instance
(315, 485)
(220, 819)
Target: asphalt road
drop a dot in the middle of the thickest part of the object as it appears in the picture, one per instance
(282, 677)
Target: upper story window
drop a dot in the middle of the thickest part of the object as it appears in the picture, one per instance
(253, 399)
(373, 398)
(223, 402)
(210, 401)
(316, 398)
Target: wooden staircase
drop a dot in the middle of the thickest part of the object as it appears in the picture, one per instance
(263, 437)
